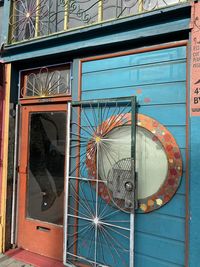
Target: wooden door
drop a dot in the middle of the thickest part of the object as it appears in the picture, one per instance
(41, 186)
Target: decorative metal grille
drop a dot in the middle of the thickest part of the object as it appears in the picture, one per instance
(100, 193)
(35, 18)
(46, 83)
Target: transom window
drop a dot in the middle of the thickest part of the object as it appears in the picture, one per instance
(46, 82)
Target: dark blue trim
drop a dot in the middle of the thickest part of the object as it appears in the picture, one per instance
(171, 20)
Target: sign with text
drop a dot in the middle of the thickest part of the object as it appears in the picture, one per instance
(195, 63)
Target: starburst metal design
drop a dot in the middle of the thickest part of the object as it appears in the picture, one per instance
(46, 83)
(98, 234)
(99, 230)
(28, 19)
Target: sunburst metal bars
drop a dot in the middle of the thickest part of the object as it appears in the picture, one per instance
(99, 219)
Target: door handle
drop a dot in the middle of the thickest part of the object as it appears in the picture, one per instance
(43, 229)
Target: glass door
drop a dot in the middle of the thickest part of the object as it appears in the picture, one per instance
(41, 188)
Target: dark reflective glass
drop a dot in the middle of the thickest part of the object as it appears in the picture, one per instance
(45, 183)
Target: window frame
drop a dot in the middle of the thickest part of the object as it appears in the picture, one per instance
(44, 99)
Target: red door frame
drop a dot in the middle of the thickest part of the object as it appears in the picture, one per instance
(48, 243)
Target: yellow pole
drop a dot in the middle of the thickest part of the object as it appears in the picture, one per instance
(37, 18)
(66, 15)
(5, 155)
(100, 11)
(140, 6)
(12, 23)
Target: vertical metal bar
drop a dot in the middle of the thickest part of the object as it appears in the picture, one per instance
(140, 6)
(133, 145)
(67, 182)
(97, 188)
(100, 10)
(66, 14)
(56, 24)
(132, 230)
(96, 207)
(58, 87)
(78, 160)
(49, 27)
(71, 78)
(19, 86)
(15, 173)
(11, 27)
(33, 82)
(133, 127)
(37, 18)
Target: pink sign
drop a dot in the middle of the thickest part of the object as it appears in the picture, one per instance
(195, 63)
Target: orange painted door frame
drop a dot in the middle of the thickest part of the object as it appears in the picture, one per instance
(4, 151)
(35, 235)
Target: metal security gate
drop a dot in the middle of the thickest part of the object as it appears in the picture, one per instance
(100, 183)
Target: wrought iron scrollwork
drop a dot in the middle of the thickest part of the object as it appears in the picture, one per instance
(35, 18)
(28, 19)
(82, 14)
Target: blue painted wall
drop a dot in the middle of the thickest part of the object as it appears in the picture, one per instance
(158, 79)
(149, 28)
(1, 22)
(194, 252)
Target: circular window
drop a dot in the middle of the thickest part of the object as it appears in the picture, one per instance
(149, 155)
(151, 163)
(158, 160)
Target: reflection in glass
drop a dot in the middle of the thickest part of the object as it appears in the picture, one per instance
(151, 159)
(46, 166)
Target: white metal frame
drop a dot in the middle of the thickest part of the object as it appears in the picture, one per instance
(92, 219)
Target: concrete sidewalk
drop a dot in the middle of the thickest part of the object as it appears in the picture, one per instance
(8, 261)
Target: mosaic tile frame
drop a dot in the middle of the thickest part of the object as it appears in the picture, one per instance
(173, 154)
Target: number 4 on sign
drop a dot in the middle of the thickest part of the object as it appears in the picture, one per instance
(197, 91)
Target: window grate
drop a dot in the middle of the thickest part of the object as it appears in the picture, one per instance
(46, 82)
(36, 18)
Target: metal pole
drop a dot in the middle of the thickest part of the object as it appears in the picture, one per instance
(100, 11)
(67, 183)
(37, 18)
(132, 214)
(66, 14)
(140, 6)
(132, 230)
(15, 173)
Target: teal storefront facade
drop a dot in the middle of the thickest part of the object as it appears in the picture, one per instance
(147, 56)
(158, 79)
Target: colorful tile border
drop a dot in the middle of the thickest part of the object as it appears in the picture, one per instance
(174, 174)
(161, 135)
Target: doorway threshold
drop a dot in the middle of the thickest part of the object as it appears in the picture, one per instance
(32, 258)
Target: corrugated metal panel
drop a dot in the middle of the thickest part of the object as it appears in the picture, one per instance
(159, 80)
